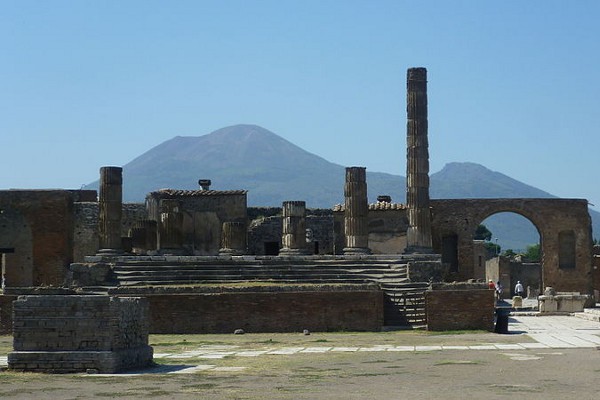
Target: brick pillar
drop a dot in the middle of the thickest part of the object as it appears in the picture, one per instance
(110, 204)
(418, 235)
(293, 237)
(143, 236)
(356, 211)
(170, 232)
(233, 239)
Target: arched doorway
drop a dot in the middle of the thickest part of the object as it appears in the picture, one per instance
(565, 235)
(513, 253)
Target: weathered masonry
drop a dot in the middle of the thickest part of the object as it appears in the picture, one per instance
(565, 235)
(77, 333)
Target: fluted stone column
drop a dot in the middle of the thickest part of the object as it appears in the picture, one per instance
(233, 238)
(143, 236)
(418, 236)
(110, 205)
(293, 237)
(356, 211)
(170, 236)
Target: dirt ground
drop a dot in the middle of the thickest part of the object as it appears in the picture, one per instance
(447, 374)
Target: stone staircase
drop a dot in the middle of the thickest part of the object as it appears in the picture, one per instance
(198, 272)
(404, 301)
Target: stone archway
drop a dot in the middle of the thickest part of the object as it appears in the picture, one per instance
(564, 226)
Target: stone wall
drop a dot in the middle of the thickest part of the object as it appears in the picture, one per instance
(267, 228)
(85, 237)
(459, 219)
(596, 272)
(74, 333)
(203, 213)
(508, 272)
(39, 225)
(6, 313)
(274, 311)
(388, 223)
(460, 309)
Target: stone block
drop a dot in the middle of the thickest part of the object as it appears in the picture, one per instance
(517, 302)
(73, 333)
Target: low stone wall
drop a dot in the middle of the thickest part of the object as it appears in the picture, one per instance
(6, 313)
(75, 333)
(266, 311)
(460, 309)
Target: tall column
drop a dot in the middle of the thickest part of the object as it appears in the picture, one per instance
(293, 237)
(170, 233)
(110, 204)
(233, 239)
(418, 236)
(356, 224)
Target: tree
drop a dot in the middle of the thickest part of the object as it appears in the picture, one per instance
(492, 249)
(533, 253)
(482, 233)
(509, 253)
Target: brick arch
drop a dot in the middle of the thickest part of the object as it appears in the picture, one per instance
(461, 217)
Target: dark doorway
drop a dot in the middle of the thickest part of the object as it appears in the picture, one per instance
(271, 248)
(450, 251)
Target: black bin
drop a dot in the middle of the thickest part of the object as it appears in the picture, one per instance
(502, 320)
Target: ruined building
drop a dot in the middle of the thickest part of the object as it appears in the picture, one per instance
(356, 266)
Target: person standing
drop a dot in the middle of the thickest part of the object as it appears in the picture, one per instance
(519, 289)
(499, 290)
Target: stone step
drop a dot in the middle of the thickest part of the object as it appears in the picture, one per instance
(391, 278)
(166, 282)
(589, 314)
(272, 269)
(263, 271)
(219, 263)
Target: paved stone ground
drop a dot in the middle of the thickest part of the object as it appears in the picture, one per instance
(549, 332)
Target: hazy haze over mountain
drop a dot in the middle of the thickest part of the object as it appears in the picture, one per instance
(274, 170)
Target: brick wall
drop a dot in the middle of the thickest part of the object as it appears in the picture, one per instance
(43, 243)
(266, 312)
(6, 313)
(74, 333)
(460, 309)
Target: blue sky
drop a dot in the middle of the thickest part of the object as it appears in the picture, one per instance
(513, 85)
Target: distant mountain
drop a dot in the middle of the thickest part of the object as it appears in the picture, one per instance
(469, 180)
(473, 181)
(274, 170)
(248, 157)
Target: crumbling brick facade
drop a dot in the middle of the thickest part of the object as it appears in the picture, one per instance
(74, 333)
(455, 221)
(456, 308)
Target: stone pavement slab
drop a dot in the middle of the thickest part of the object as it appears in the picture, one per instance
(549, 332)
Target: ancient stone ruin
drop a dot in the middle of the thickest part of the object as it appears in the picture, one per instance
(205, 262)
(82, 333)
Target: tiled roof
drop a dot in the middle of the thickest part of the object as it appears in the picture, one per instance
(380, 205)
(193, 193)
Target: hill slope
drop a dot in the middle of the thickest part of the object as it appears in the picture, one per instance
(248, 157)
(274, 170)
